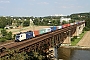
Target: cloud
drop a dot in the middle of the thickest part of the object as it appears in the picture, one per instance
(4, 1)
(65, 7)
(80, 6)
(45, 3)
(31, 0)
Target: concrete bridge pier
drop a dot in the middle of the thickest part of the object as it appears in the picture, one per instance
(79, 30)
(67, 40)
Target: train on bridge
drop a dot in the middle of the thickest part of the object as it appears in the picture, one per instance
(30, 34)
(39, 34)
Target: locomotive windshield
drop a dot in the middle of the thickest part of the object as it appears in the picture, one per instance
(17, 36)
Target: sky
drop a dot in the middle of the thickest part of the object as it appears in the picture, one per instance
(43, 7)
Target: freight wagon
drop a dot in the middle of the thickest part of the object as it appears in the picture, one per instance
(47, 30)
(53, 28)
(59, 27)
(36, 33)
(65, 25)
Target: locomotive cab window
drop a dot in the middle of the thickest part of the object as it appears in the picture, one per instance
(17, 36)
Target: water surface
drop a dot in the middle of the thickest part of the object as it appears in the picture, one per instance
(73, 54)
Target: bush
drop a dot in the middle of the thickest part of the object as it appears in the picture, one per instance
(75, 37)
(14, 36)
(86, 29)
(11, 27)
(72, 39)
(4, 32)
(2, 39)
(9, 36)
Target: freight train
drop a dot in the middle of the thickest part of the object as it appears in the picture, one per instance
(30, 34)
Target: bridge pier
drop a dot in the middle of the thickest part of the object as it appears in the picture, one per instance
(70, 33)
(67, 40)
(79, 30)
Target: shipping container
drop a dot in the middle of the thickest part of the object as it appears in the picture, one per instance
(29, 34)
(65, 25)
(59, 27)
(42, 31)
(36, 32)
(47, 30)
(71, 23)
(76, 22)
(53, 28)
(68, 24)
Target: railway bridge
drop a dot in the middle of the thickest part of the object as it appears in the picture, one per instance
(46, 41)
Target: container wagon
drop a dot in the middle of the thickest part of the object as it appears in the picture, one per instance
(36, 32)
(65, 25)
(47, 30)
(53, 28)
(59, 27)
(42, 31)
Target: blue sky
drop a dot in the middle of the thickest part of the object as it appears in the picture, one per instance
(42, 7)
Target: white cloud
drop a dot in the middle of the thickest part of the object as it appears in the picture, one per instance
(4, 1)
(43, 3)
(64, 7)
(71, 7)
(32, 0)
(79, 6)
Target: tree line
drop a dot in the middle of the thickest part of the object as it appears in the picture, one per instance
(82, 16)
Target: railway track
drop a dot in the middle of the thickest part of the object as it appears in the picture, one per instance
(20, 45)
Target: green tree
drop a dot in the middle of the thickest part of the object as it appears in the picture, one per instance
(5, 21)
(71, 21)
(2, 39)
(12, 55)
(87, 27)
(36, 21)
(26, 23)
(9, 35)
(4, 32)
(18, 23)
(64, 22)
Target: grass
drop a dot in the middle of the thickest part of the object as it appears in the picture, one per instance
(73, 43)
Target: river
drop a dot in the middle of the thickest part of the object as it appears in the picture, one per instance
(73, 54)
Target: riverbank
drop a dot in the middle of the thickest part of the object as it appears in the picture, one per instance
(85, 41)
(77, 39)
(76, 47)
